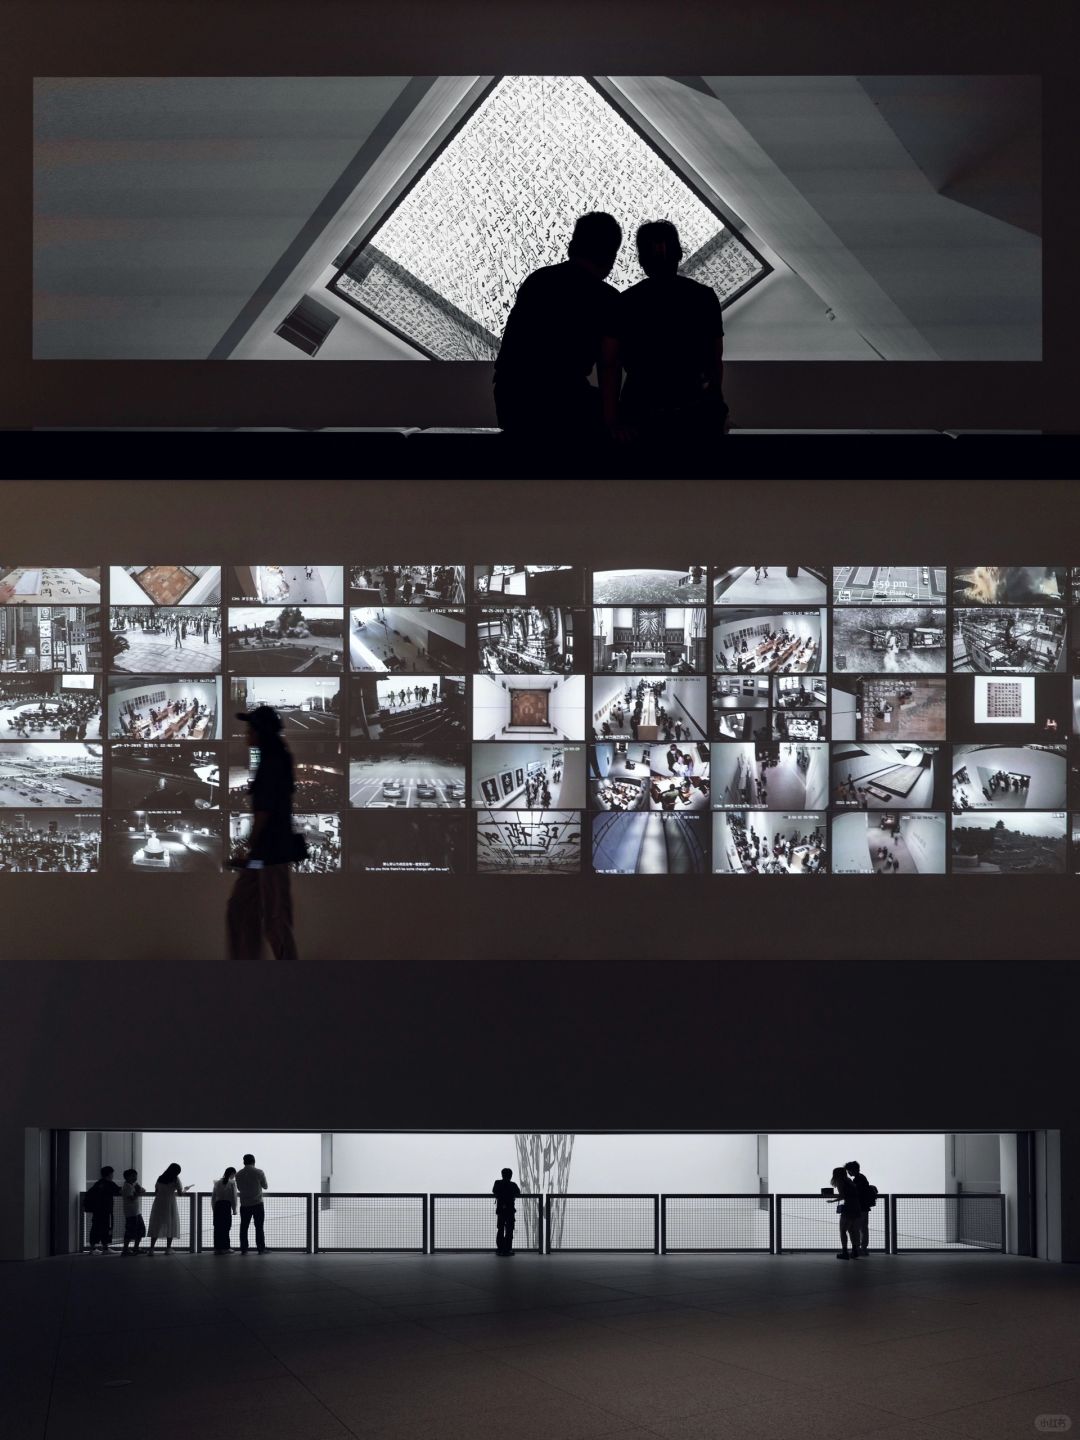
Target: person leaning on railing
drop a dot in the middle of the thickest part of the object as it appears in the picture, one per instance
(849, 1212)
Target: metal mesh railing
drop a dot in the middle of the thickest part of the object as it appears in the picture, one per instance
(603, 1222)
(353, 1220)
(691, 1224)
(948, 1222)
(467, 1222)
(286, 1223)
(810, 1222)
(185, 1205)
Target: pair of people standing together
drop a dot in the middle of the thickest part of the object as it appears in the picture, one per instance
(241, 1190)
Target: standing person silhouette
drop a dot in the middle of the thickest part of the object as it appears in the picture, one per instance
(554, 337)
(506, 1193)
(867, 1194)
(251, 1186)
(670, 343)
(261, 901)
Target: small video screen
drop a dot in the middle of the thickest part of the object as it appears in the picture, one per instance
(158, 640)
(429, 586)
(1012, 709)
(889, 584)
(799, 692)
(774, 642)
(39, 638)
(321, 832)
(1075, 702)
(523, 776)
(50, 842)
(528, 707)
(744, 692)
(165, 776)
(287, 584)
(305, 707)
(687, 586)
(165, 585)
(1028, 641)
(652, 844)
(1010, 585)
(149, 707)
(414, 842)
(884, 843)
(49, 585)
(269, 641)
(870, 707)
(797, 725)
(901, 639)
(1074, 584)
(407, 642)
(529, 640)
(753, 842)
(887, 777)
(771, 585)
(318, 774)
(638, 639)
(411, 709)
(620, 775)
(417, 777)
(770, 775)
(1008, 777)
(528, 842)
(679, 778)
(170, 842)
(50, 707)
(1005, 843)
(673, 708)
(50, 775)
(527, 584)
(239, 775)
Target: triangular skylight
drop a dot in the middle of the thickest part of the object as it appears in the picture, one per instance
(441, 269)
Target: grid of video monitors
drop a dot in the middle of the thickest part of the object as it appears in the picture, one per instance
(547, 719)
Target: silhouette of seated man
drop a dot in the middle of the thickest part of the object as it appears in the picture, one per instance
(669, 342)
(554, 335)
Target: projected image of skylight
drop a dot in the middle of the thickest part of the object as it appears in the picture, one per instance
(500, 199)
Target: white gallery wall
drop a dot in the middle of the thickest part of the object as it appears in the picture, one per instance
(905, 1163)
(291, 1161)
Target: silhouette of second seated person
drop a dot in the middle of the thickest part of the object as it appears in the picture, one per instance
(666, 333)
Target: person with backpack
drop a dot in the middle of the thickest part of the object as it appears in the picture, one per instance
(850, 1216)
(98, 1204)
(867, 1195)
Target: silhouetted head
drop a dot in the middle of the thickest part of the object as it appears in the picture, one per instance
(839, 1175)
(263, 722)
(659, 248)
(169, 1173)
(106, 1171)
(507, 1173)
(229, 1172)
(852, 1167)
(131, 1174)
(249, 1159)
(595, 241)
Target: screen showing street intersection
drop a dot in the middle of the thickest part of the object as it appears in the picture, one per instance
(545, 719)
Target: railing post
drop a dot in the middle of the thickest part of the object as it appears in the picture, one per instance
(315, 1227)
(194, 1211)
(772, 1224)
(309, 1205)
(547, 1225)
(425, 1203)
(431, 1227)
(198, 1221)
(663, 1224)
(656, 1224)
(892, 1224)
(540, 1224)
(888, 1226)
(1004, 1225)
(778, 1199)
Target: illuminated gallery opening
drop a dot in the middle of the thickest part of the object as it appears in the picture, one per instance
(385, 1190)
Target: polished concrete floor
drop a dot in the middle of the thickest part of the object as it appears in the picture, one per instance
(291, 1347)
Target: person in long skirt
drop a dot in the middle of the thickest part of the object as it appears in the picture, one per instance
(225, 1201)
(164, 1212)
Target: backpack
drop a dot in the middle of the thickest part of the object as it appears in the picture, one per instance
(871, 1196)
